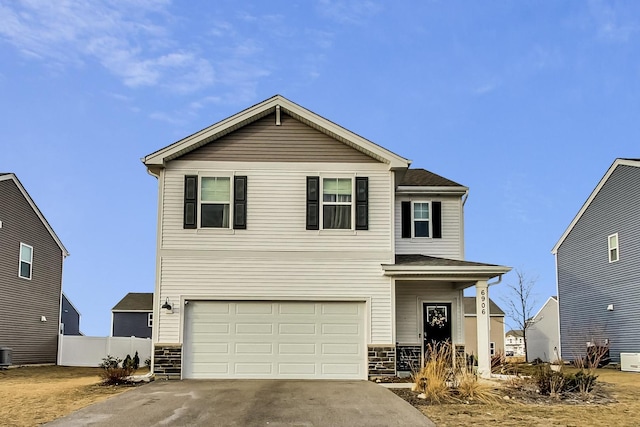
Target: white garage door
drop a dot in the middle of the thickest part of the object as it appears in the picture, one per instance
(269, 339)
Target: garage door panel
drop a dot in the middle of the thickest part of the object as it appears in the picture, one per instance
(253, 328)
(296, 308)
(248, 308)
(297, 328)
(253, 348)
(275, 339)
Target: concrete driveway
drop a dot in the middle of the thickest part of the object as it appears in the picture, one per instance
(251, 403)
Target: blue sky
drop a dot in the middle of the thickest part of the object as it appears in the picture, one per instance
(526, 102)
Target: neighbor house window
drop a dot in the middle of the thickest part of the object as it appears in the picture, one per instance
(215, 201)
(26, 261)
(421, 219)
(492, 348)
(614, 254)
(336, 203)
(150, 320)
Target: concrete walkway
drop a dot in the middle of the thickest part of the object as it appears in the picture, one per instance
(250, 403)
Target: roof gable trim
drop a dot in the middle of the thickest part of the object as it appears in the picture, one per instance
(594, 193)
(251, 114)
(25, 194)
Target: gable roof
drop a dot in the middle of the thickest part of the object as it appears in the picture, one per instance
(5, 176)
(470, 307)
(135, 301)
(594, 193)
(515, 333)
(550, 299)
(158, 159)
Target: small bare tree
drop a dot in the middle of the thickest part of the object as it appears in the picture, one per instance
(520, 303)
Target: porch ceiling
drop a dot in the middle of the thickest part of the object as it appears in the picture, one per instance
(423, 267)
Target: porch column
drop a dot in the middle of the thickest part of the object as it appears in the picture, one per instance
(482, 317)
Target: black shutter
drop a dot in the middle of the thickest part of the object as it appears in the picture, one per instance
(362, 203)
(406, 220)
(240, 202)
(436, 213)
(190, 201)
(313, 203)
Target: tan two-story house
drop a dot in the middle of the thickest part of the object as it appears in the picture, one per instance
(290, 247)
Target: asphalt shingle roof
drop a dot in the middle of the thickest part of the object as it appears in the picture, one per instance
(424, 260)
(424, 178)
(135, 301)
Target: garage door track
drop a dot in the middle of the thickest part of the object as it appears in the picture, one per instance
(251, 403)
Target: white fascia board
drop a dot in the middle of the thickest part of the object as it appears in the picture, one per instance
(594, 193)
(413, 189)
(463, 272)
(14, 178)
(257, 111)
(535, 316)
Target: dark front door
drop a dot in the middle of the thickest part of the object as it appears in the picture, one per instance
(437, 323)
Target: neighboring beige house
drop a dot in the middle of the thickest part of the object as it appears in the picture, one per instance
(290, 247)
(496, 343)
(514, 343)
(543, 333)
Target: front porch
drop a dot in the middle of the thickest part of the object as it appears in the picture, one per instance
(428, 302)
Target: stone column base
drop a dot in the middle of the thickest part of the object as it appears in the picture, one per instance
(382, 360)
(167, 361)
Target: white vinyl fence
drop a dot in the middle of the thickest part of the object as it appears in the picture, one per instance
(89, 351)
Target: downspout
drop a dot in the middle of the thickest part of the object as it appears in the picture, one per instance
(496, 282)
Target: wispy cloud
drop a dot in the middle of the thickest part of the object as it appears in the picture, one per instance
(349, 12)
(119, 35)
(611, 25)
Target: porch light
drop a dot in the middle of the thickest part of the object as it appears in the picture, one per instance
(166, 305)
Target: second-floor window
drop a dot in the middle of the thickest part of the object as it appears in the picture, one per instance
(336, 203)
(614, 254)
(150, 320)
(26, 261)
(421, 217)
(215, 200)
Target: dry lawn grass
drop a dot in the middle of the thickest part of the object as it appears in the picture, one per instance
(623, 386)
(35, 395)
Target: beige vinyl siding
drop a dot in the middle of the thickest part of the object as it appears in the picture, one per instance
(276, 212)
(292, 141)
(409, 299)
(496, 326)
(275, 277)
(449, 246)
(276, 258)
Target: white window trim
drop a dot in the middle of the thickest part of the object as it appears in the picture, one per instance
(616, 247)
(231, 196)
(30, 262)
(352, 203)
(492, 348)
(413, 220)
(150, 320)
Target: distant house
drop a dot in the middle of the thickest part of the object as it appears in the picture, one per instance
(543, 333)
(31, 257)
(514, 343)
(133, 316)
(598, 267)
(69, 318)
(496, 344)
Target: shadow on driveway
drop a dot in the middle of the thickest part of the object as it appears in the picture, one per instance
(251, 403)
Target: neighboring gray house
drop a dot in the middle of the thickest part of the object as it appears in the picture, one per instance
(598, 267)
(31, 257)
(69, 318)
(133, 316)
(543, 333)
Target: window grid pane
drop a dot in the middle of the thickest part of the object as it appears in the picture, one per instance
(421, 210)
(336, 190)
(216, 189)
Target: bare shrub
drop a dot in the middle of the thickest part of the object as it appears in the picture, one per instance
(113, 372)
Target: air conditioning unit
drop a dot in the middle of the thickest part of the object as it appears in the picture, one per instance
(630, 362)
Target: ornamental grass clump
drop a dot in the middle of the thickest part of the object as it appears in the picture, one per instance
(113, 371)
